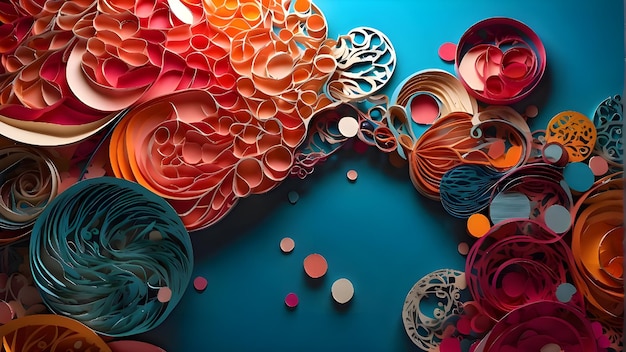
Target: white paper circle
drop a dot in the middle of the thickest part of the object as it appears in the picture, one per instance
(348, 126)
(342, 291)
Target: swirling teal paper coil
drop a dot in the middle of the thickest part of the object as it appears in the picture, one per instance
(102, 251)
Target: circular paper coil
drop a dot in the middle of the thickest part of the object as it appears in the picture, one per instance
(494, 76)
(102, 250)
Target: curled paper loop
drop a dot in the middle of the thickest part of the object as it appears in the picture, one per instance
(430, 94)
(324, 137)
(498, 138)
(466, 189)
(366, 61)
(29, 181)
(426, 328)
(609, 121)
(575, 132)
(200, 156)
(541, 184)
(46, 332)
(538, 324)
(500, 60)
(597, 235)
(516, 263)
(103, 251)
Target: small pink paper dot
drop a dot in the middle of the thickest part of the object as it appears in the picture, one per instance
(291, 300)
(447, 51)
(164, 295)
(200, 283)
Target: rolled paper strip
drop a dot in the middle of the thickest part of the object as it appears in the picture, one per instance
(500, 60)
(29, 181)
(433, 86)
(533, 326)
(466, 189)
(36, 330)
(596, 237)
(365, 60)
(424, 322)
(575, 132)
(516, 263)
(460, 138)
(555, 154)
(100, 265)
(609, 121)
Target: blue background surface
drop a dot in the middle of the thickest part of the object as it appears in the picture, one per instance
(378, 232)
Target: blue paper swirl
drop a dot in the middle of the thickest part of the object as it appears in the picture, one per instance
(466, 189)
(102, 250)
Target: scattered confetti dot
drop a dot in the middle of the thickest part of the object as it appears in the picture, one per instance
(348, 126)
(6, 312)
(578, 176)
(315, 265)
(342, 291)
(291, 300)
(598, 165)
(478, 225)
(352, 175)
(293, 197)
(463, 325)
(531, 111)
(287, 244)
(164, 295)
(463, 248)
(558, 219)
(447, 51)
(565, 292)
(450, 344)
(200, 283)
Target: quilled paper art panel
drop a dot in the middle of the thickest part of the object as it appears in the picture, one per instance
(104, 253)
(500, 60)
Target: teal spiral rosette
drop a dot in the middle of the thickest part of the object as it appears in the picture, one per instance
(112, 255)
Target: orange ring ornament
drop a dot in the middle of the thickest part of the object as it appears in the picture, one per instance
(597, 237)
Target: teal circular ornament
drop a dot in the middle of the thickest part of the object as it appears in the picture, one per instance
(103, 249)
